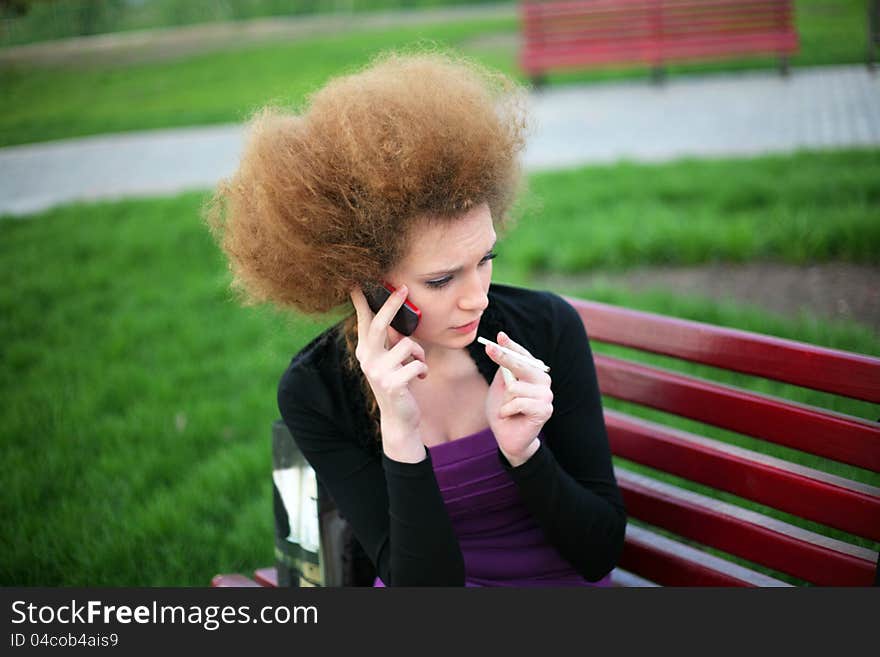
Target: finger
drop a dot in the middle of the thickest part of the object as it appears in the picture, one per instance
(519, 369)
(505, 341)
(382, 320)
(528, 390)
(532, 408)
(401, 377)
(363, 311)
(402, 351)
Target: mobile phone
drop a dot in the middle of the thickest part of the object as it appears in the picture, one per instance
(406, 319)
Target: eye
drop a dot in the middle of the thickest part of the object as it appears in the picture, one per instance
(440, 282)
(436, 284)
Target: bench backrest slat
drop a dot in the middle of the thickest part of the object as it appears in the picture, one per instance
(548, 18)
(604, 53)
(652, 18)
(672, 563)
(798, 490)
(695, 48)
(800, 553)
(789, 361)
(823, 433)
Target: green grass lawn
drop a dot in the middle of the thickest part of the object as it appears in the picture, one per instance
(83, 99)
(809, 207)
(217, 87)
(138, 397)
(58, 19)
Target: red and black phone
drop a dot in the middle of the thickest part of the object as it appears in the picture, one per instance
(406, 319)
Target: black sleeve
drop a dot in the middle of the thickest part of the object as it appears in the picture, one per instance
(395, 509)
(569, 484)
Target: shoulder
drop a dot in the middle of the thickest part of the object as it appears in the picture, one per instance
(511, 298)
(537, 316)
(315, 377)
(321, 398)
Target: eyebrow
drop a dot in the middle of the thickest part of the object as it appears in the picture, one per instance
(454, 270)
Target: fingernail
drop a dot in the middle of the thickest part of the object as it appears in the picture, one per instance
(502, 336)
(402, 290)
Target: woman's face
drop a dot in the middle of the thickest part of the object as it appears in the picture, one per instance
(448, 268)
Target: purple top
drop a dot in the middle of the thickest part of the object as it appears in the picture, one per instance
(501, 543)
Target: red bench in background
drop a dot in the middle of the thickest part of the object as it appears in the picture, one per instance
(679, 536)
(590, 33)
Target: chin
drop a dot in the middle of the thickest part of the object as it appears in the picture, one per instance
(466, 339)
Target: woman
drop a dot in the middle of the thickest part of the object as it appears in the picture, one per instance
(448, 473)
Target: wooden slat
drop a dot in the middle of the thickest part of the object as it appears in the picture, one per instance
(575, 35)
(267, 576)
(567, 55)
(831, 435)
(805, 492)
(702, 47)
(747, 534)
(577, 7)
(741, 410)
(719, 14)
(819, 368)
(728, 19)
(609, 55)
(536, 10)
(671, 563)
(233, 580)
(632, 34)
(573, 54)
(624, 578)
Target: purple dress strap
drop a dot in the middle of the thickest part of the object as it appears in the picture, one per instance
(501, 543)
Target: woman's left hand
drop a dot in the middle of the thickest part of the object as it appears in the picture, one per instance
(518, 411)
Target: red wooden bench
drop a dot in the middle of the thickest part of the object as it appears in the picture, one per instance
(703, 510)
(593, 33)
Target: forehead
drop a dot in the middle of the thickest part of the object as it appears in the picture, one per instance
(445, 243)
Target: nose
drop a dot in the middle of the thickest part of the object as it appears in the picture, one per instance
(474, 294)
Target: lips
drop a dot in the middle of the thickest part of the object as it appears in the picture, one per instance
(470, 326)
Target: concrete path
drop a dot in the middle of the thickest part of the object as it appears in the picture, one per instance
(703, 116)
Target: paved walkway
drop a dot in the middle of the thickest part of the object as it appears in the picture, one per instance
(704, 116)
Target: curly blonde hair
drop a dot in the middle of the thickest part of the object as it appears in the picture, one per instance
(325, 199)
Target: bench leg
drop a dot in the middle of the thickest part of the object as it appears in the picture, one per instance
(658, 74)
(784, 68)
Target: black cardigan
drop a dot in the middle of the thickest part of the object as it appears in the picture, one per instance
(396, 510)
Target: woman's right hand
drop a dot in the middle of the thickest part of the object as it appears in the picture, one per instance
(390, 361)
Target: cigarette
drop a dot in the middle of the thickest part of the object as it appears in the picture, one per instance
(526, 360)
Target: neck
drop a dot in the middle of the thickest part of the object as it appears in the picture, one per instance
(447, 363)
